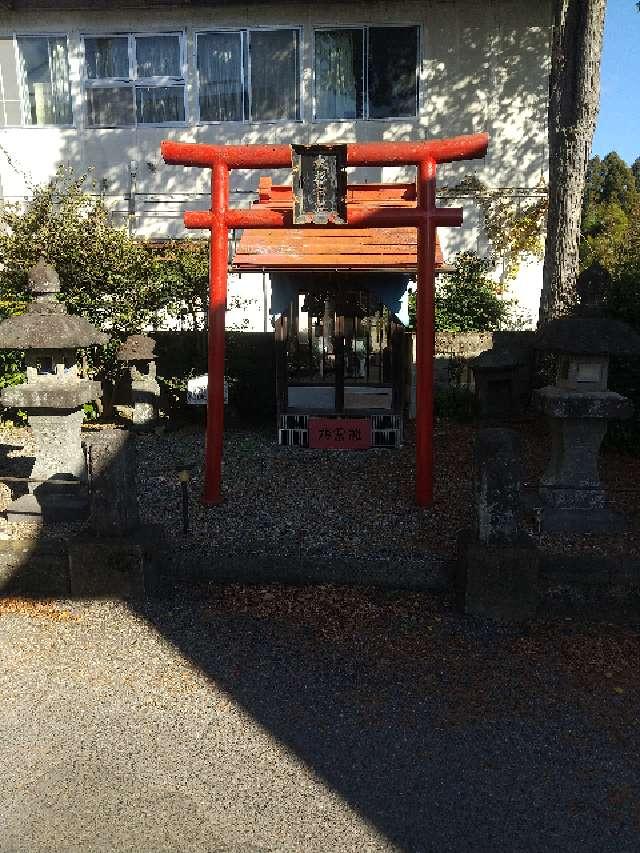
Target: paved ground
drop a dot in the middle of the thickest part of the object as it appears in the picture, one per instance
(313, 719)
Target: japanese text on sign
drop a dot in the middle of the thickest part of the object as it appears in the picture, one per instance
(340, 433)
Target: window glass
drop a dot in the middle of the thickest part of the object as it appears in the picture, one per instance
(109, 106)
(107, 57)
(392, 64)
(44, 69)
(158, 56)
(146, 95)
(219, 58)
(275, 93)
(338, 73)
(159, 104)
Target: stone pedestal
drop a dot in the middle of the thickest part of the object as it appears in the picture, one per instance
(138, 352)
(59, 454)
(114, 504)
(573, 497)
(497, 567)
(145, 392)
(496, 376)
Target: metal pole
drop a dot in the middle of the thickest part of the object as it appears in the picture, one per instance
(215, 356)
(425, 335)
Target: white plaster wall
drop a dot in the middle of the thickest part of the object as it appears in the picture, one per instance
(484, 66)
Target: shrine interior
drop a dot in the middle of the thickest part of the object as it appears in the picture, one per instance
(341, 351)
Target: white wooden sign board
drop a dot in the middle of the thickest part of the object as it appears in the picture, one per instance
(197, 391)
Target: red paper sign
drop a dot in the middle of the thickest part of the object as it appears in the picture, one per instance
(340, 433)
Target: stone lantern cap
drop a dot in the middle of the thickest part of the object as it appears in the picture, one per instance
(46, 324)
(137, 348)
(588, 336)
(587, 331)
(496, 359)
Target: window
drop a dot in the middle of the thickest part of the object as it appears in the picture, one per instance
(43, 72)
(366, 72)
(249, 75)
(133, 79)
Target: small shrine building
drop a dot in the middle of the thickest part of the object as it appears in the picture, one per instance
(342, 352)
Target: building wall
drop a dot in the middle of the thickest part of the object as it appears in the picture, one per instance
(483, 66)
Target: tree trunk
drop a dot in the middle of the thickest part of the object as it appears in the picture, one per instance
(574, 97)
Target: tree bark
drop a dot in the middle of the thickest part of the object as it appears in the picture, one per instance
(574, 98)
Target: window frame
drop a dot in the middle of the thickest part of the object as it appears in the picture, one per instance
(133, 80)
(364, 28)
(245, 76)
(18, 60)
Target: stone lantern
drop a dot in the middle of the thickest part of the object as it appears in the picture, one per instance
(578, 408)
(53, 397)
(139, 352)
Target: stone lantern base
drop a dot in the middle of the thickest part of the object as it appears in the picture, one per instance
(59, 456)
(574, 500)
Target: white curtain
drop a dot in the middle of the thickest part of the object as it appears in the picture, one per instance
(44, 70)
(338, 70)
(60, 93)
(220, 76)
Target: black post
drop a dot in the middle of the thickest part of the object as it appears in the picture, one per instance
(338, 349)
(185, 505)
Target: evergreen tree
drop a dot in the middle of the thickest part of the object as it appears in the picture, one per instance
(619, 183)
(635, 168)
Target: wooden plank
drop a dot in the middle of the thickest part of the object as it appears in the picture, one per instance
(326, 261)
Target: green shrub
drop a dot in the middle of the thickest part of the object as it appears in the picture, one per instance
(466, 299)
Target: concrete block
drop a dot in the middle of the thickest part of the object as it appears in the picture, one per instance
(106, 568)
(119, 566)
(498, 582)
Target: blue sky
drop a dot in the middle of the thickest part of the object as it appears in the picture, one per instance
(619, 121)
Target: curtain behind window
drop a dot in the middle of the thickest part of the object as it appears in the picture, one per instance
(220, 76)
(158, 56)
(106, 57)
(45, 80)
(274, 75)
(338, 72)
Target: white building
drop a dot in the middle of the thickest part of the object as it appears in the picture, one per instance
(100, 84)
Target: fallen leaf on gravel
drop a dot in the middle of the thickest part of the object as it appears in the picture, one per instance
(36, 610)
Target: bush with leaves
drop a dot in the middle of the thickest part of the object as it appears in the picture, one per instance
(466, 298)
(121, 284)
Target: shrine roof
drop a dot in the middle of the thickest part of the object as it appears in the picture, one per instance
(341, 247)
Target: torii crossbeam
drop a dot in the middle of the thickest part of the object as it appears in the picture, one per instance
(425, 217)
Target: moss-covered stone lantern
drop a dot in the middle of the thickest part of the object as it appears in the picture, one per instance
(578, 408)
(53, 397)
(138, 351)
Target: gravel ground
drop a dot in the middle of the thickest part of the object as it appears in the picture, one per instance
(326, 504)
(290, 505)
(313, 719)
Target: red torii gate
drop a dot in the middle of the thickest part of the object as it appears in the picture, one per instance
(426, 217)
